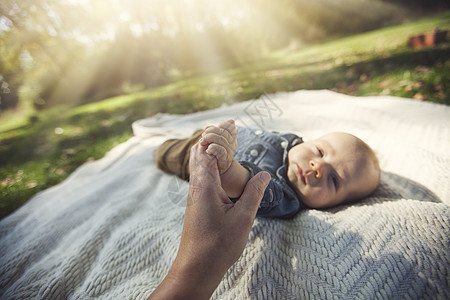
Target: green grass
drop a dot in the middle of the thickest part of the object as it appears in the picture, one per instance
(40, 150)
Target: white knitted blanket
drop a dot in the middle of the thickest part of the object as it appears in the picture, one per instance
(112, 229)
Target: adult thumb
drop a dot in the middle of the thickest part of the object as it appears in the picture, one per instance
(253, 193)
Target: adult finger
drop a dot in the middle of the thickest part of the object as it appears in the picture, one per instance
(203, 167)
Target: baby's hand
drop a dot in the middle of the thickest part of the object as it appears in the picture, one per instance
(222, 143)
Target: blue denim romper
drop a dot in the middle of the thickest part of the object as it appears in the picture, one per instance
(260, 150)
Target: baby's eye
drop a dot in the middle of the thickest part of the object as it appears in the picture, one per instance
(320, 151)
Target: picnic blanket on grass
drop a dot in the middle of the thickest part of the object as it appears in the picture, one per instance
(112, 229)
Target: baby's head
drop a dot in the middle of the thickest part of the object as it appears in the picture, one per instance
(334, 169)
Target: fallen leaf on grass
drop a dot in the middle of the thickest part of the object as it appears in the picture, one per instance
(440, 95)
(7, 181)
(31, 185)
(60, 171)
(422, 70)
(363, 78)
(419, 96)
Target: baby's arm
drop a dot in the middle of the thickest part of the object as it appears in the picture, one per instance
(222, 144)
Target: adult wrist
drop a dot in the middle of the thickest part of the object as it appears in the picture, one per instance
(196, 279)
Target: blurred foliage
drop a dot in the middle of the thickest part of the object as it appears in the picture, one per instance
(56, 52)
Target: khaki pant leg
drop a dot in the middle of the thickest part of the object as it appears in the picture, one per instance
(173, 155)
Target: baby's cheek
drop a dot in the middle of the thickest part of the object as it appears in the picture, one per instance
(316, 197)
(291, 177)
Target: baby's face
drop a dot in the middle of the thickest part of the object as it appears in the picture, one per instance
(330, 170)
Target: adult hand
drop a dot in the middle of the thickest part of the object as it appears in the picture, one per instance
(215, 230)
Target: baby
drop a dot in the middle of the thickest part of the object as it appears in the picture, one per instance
(333, 169)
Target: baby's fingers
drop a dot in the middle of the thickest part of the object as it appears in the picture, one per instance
(229, 126)
(220, 153)
(217, 135)
(226, 129)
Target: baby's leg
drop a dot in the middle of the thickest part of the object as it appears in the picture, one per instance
(173, 155)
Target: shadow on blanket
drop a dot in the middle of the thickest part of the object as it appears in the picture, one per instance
(394, 187)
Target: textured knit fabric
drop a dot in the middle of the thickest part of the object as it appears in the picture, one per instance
(112, 229)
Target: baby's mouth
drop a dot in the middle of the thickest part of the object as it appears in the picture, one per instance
(300, 173)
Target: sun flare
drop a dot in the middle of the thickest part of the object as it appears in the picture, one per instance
(73, 51)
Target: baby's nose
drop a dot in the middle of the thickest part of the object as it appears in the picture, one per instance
(317, 167)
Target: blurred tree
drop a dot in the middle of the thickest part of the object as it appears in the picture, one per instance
(9, 75)
(36, 44)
